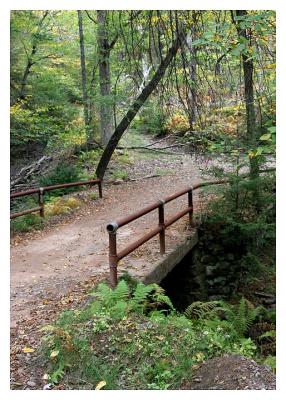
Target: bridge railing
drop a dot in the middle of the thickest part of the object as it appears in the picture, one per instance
(112, 227)
(41, 191)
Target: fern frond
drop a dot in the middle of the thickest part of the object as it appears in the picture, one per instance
(119, 310)
(103, 293)
(121, 292)
(141, 293)
(200, 309)
(163, 299)
(241, 316)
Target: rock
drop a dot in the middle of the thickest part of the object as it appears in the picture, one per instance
(232, 372)
(48, 386)
(31, 383)
(205, 258)
(220, 280)
(216, 297)
(118, 181)
(210, 269)
(269, 301)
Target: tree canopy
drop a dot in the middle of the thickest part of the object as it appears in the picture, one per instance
(75, 75)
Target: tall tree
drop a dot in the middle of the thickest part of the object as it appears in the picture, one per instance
(30, 57)
(104, 48)
(136, 105)
(83, 75)
(247, 61)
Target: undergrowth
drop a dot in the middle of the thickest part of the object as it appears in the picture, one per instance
(133, 338)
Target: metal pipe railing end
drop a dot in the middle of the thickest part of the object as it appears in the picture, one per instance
(112, 227)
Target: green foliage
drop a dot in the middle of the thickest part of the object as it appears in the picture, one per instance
(242, 225)
(152, 120)
(120, 174)
(141, 299)
(236, 319)
(93, 196)
(127, 339)
(242, 316)
(270, 361)
(64, 173)
(90, 157)
(26, 223)
(201, 310)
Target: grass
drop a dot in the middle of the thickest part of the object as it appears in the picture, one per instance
(163, 171)
(120, 174)
(26, 223)
(93, 196)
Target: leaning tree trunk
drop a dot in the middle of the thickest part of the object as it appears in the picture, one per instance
(106, 108)
(135, 107)
(83, 74)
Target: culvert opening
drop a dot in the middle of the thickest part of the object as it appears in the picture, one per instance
(185, 283)
(210, 271)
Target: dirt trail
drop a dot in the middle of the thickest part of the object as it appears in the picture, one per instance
(52, 263)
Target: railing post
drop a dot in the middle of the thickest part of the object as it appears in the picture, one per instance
(190, 204)
(162, 224)
(100, 189)
(41, 202)
(113, 260)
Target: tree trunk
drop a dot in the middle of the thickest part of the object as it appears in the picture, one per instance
(106, 109)
(135, 107)
(251, 128)
(30, 63)
(83, 75)
(22, 93)
(193, 74)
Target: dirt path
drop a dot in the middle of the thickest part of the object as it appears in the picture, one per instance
(49, 265)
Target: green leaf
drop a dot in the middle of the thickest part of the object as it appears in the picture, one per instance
(266, 136)
(258, 151)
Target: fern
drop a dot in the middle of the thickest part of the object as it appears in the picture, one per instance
(140, 297)
(120, 301)
(119, 310)
(242, 316)
(103, 293)
(149, 296)
(109, 297)
(201, 310)
(121, 292)
(269, 335)
(158, 296)
(141, 293)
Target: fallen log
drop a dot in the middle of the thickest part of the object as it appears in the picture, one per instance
(26, 172)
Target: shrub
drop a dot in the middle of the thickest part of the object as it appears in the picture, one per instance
(26, 223)
(151, 120)
(64, 173)
(177, 123)
(57, 206)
